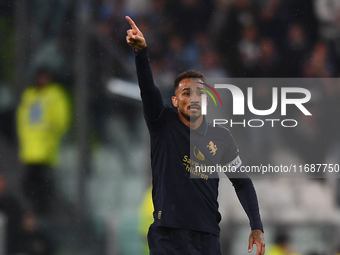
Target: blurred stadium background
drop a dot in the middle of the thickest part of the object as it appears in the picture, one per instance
(104, 168)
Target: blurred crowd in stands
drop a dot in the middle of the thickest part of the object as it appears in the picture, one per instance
(238, 38)
(243, 38)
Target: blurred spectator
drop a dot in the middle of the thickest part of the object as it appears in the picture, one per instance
(319, 64)
(269, 59)
(281, 245)
(269, 19)
(54, 56)
(146, 218)
(43, 117)
(34, 242)
(110, 18)
(338, 251)
(240, 14)
(295, 50)
(300, 11)
(210, 65)
(176, 59)
(12, 211)
(47, 18)
(328, 14)
(160, 16)
(193, 16)
(201, 42)
(249, 50)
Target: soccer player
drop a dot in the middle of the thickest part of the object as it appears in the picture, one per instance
(186, 213)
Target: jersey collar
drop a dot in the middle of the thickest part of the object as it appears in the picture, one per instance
(203, 128)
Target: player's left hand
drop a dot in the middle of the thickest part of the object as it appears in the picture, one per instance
(256, 237)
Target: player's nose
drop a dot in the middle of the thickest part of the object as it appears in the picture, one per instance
(195, 98)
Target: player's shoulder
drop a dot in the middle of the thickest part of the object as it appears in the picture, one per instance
(30, 93)
(220, 131)
(56, 88)
(166, 113)
(29, 90)
(170, 110)
(217, 128)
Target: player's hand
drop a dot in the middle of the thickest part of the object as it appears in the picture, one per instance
(134, 36)
(256, 237)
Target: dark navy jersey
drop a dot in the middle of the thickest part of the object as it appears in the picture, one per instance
(211, 146)
(181, 201)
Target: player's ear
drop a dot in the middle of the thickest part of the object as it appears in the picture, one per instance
(174, 101)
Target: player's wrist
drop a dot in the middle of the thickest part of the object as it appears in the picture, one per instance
(140, 48)
(257, 230)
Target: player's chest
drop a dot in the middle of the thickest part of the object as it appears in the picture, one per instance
(208, 150)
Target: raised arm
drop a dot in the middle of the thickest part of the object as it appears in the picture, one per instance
(151, 96)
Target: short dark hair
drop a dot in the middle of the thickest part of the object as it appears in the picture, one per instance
(43, 71)
(187, 74)
(281, 237)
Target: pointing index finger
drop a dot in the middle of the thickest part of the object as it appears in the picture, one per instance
(132, 23)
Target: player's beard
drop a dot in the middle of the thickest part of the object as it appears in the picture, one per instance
(192, 119)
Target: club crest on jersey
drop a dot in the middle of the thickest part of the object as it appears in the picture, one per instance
(212, 148)
(198, 154)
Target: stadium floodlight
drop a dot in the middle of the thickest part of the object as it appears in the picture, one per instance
(124, 88)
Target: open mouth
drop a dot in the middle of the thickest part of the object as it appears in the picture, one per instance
(194, 107)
